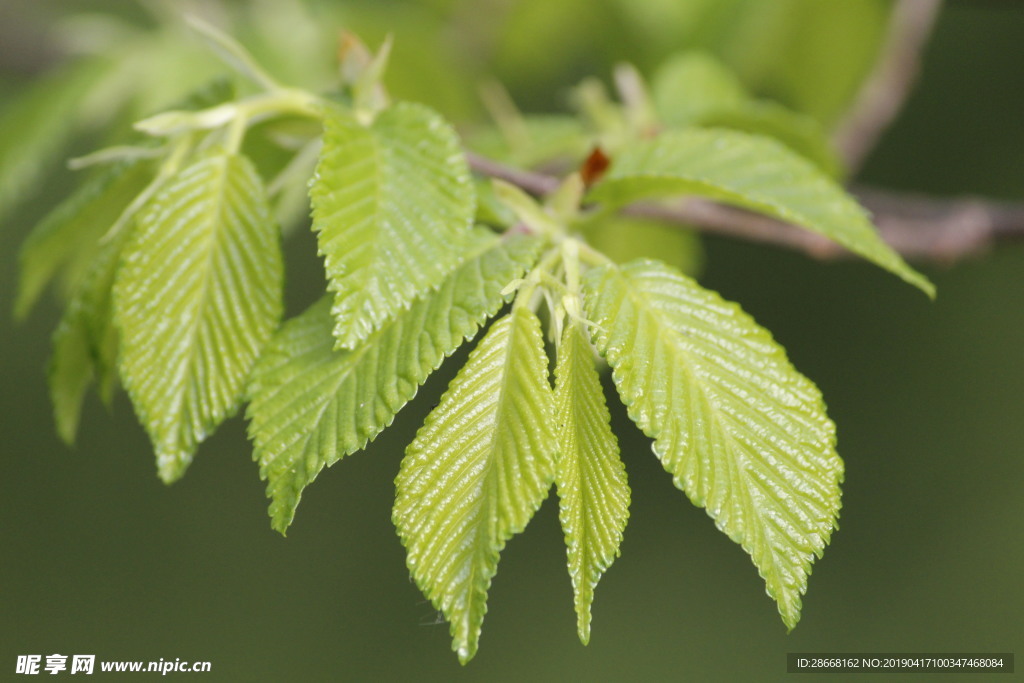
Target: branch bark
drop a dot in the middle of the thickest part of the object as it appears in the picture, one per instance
(917, 226)
(886, 89)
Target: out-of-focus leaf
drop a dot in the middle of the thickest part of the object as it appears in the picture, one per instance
(809, 55)
(538, 139)
(67, 238)
(626, 238)
(37, 124)
(86, 343)
(691, 85)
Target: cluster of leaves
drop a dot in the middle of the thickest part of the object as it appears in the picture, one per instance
(171, 258)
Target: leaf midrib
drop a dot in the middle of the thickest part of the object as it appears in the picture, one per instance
(480, 550)
(379, 215)
(219, 166)
(585, 550)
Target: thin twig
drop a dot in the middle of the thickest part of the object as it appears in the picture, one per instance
(917, 226)
(925, 227)
(534, 183)
(886, 89)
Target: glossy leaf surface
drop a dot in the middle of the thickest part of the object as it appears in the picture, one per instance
(477, 471)
(311, 404)
(392, 207)
(740, 430)
(755, 173)
(197, 297)
(591, 479)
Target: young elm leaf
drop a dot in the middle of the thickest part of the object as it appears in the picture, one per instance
(591, 479)
(753, 172)
(310, 405)
(741, 431)
(392, 207)
(477, 471)
(197, 297)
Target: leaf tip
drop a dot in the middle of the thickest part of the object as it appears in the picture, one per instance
(349, 329)
(67, 430)
(22, 305)
(914, 278)
(789, 610)
(926, 286)
(583, 629)
(171, 465)
(466, 652)
(280, 520)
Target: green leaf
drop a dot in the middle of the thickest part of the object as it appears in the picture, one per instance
(691, 85)
(528, 210)
(695, 89)
(68, 237)
(36, 126)
(217, 90)
(86, 342)
(626, 238)
(477, 471)
(811, 56)
(311, 405)
(71, 371)
(533, 140)
(799, 132)
(68, 240)
(198, 295)
(755, 173)
(232, 53)
(591, 479)
(740, 430)
(392, 207)
(290, 188)
(489, 209)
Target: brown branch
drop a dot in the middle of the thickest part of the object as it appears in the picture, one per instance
(886, 89)
(917, 226)
(534, 183)
(943, 229)
(25, 48)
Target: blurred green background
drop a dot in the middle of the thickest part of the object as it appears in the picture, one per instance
(101, 558)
